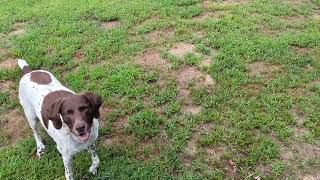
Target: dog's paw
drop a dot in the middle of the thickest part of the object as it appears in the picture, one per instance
(40, 151)
(93, 169)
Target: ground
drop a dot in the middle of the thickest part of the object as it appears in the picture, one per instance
(192, 89)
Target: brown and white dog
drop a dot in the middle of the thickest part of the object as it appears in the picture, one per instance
(70, 119)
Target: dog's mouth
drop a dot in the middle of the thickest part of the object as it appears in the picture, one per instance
(84, 136)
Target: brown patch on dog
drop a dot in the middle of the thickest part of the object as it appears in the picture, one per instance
(259, 68)
(79, 54)
(110, 24)
(8, 64)
(40, 77)
(26, 69)
(18, 29)
(182, 48)
(14, 126)
(151, 58)
(157, 35)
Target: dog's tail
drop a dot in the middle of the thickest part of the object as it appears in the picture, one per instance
(24, 66)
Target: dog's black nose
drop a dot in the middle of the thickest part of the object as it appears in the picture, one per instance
(80, 128)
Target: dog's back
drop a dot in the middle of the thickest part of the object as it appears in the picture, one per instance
(35, 85)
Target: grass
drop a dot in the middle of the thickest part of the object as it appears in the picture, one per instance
(260, 118)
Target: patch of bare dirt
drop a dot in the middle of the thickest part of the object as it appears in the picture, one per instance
(191, 109)
(184, 76)
(298, 131)
(120, 123)
(311, 177)
(216, 152)
(292, 20)
(157, 35)
(297, 91)
(188, 73)
(15, 126)
(309, 68)
(4, 51)
(298, 115)
(299, 150)
(269, 31)
(206, 4)
(8, 63)
(253, 86)
(207, 15)
(314, 82)
(79, 54)
(110, 24)
(298, 2)
(151, 59)
(232, 2)
(301, 50)
(5, 85)
(182, 48)
(119, 138)
(316, 14)
(206, 63)
(259, 68)
(306, 150)
(191, 148)
(18, 29)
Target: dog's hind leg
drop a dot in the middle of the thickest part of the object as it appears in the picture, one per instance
(33, 122)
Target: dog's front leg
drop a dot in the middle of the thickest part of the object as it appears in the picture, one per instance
(95, 159)
(67, 161)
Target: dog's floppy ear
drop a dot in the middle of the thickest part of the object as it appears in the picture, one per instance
(96, 102)
(53, 113)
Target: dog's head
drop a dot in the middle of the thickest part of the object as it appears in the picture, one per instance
(77, 112)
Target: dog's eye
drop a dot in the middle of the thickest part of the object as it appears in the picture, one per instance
(82, 108)
(70, 111)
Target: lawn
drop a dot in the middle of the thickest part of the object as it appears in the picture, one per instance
(192, 89)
